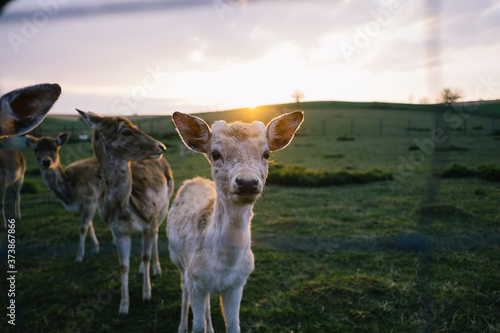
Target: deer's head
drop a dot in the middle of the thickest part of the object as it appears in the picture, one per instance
(47, 149)
(238, 152)
(122, 139)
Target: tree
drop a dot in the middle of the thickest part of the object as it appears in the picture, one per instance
(424, 100)
(410, 98)
(449, 96)
(297, 95)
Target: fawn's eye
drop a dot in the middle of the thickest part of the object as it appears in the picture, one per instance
(266, 154)
(127, 132)
(216, 155)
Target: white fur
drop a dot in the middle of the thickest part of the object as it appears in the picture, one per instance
(208, 226)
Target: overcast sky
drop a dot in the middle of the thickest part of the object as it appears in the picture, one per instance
(139, 57)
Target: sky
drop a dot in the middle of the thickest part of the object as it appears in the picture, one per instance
(131, 57)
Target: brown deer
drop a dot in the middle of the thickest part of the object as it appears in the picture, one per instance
(77, 185)
(130, 206)
(20, 111)
(208, 226)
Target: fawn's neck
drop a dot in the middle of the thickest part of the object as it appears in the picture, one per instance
(117, 177)
(231, 223)
(57, 181)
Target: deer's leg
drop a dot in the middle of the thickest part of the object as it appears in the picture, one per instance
(208, 318)
(92, 231)
(231, 300)
(156, 259)
(17, 199)
(183, 327)
(94, 238)
(123, 243)
(2, 204)
(197, 298)
(148, 238)
(86, 223)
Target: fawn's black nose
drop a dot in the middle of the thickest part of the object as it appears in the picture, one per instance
(46, 162)
(247, 186)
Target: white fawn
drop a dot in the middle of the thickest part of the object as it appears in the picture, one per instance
(77, 185)
(130, 206)
(20, 111)
(208, 225)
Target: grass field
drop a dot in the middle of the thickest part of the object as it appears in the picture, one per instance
(415, 253)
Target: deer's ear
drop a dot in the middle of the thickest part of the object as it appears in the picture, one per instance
(31, 140)
(280, 130)
(23, 109)
(193, 131)
(92, 119)
(62, 138)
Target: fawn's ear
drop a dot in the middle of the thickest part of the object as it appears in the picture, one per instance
(23, 109)
(62, 138)
(31, 140)
(92, 119)
(280, 130)
(193, 131)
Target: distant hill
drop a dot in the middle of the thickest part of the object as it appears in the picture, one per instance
(55, 124)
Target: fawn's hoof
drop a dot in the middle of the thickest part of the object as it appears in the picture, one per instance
(121, 316)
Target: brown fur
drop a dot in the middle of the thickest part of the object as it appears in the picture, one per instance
(12, 169)
(77, 185)
(22, 109)
(133, 197)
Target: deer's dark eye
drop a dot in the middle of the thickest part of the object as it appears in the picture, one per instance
(266, 154)
(216, 155)
(127, 132)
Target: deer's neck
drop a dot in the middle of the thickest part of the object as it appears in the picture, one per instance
(117, 181)
(56, 179)
(117, 178)
(231, 223)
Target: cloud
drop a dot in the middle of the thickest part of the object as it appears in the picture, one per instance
(269, 48)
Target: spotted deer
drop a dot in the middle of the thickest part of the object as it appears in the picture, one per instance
(76, 186)
(208, 225)
(20, 111)
(130, 206)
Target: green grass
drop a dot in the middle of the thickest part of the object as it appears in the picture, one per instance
(352, 258)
